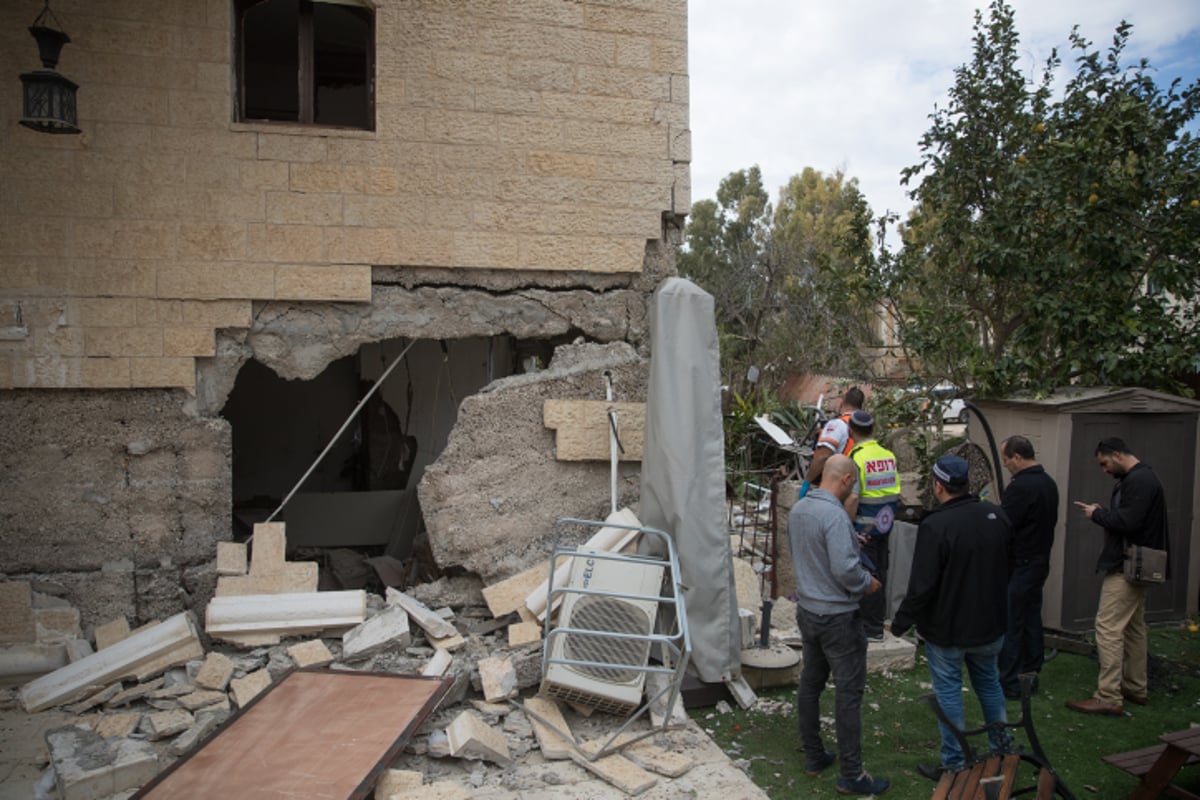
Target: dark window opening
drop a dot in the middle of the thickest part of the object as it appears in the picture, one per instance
(306, 61)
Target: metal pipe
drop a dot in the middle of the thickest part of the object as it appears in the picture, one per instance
(342, 429)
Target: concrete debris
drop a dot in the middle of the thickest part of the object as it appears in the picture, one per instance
(386, 629)
(247, 688)
(96, 699)
(216, 672)
(158, 645)
(438, 665)
(471, 737)
(313, 653)
(164, 724)
(270, 571)
(87, 766)
(498, 677)
(206, 722)
(119, 725)
(488, 737)
(393, 781)
(431, 623)
(439, 790)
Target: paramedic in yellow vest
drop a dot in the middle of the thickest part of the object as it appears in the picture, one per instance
(834, 438)
(872, 508)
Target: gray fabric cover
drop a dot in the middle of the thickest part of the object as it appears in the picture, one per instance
(683, 470)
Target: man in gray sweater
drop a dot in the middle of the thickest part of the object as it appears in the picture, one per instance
(830, 580)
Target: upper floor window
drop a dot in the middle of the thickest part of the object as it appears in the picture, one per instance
(308, 61)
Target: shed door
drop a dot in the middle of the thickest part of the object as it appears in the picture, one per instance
(1164, 442)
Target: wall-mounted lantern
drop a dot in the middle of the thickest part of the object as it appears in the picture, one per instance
(49, 97)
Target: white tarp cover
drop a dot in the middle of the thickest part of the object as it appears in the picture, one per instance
(683, 470)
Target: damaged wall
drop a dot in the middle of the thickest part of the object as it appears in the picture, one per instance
(491, 499)
(115, 498)
(524, 168)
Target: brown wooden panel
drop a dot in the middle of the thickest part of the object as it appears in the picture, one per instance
(314, 735)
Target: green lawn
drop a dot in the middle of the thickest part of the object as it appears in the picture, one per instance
(899, 729)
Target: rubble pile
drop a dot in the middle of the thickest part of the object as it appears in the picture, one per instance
(116, 717)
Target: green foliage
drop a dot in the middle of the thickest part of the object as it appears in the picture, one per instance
(794, 288)
(1054, 241)
(747, 448)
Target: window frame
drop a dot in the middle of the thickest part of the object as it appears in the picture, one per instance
(306, 69)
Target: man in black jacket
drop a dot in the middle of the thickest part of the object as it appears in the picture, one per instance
(1137, 515)
(956, 598)
(1031, 503)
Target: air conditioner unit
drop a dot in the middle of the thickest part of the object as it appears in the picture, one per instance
(617, 686)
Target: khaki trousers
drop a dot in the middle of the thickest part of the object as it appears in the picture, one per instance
(1121, 639)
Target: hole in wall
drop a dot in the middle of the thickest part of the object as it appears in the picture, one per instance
(363, 493)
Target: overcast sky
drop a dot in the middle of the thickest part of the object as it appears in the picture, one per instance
(787, 84)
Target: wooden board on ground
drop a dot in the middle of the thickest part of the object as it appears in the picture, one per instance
(345, 727)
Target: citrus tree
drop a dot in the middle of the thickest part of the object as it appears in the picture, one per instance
(1056, 236)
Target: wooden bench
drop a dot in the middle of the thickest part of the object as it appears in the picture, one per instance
(995, 776)
(1158, 764)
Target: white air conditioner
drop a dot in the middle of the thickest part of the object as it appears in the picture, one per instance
(617, 686)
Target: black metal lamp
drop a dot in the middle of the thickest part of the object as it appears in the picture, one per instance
(49, 97)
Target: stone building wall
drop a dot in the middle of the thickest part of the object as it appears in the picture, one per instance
(544, 136)
(527, 164)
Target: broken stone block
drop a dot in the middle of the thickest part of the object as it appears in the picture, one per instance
(110, 633)
(206, 722)
(550, 727)
(523, 633)
(215, 672)
(134, 693)
(247, 688)
(438, 665)
(163, 724)
(99, 698)
(56, 624)
(438, 790)
(388, 628)
(471, 737)
(118, 725)
(87, 766)
(313, 653)
(231, 558)
(498, 677)
(77, 649)
(171, 691)
(616, 769)
(397, 780)
(492, 712)
(16, 613)
(194, 701)
(657, 759)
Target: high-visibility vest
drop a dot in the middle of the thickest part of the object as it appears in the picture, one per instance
(878, 486)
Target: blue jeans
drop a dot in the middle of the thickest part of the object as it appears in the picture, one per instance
(1022, 650)
(833, 643)
(945, 672)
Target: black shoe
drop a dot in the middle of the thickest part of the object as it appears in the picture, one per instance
(863, 784)
(815, 767)
(932, 771)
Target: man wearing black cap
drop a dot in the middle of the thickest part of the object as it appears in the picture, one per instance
(957, 599)
(872, 508)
